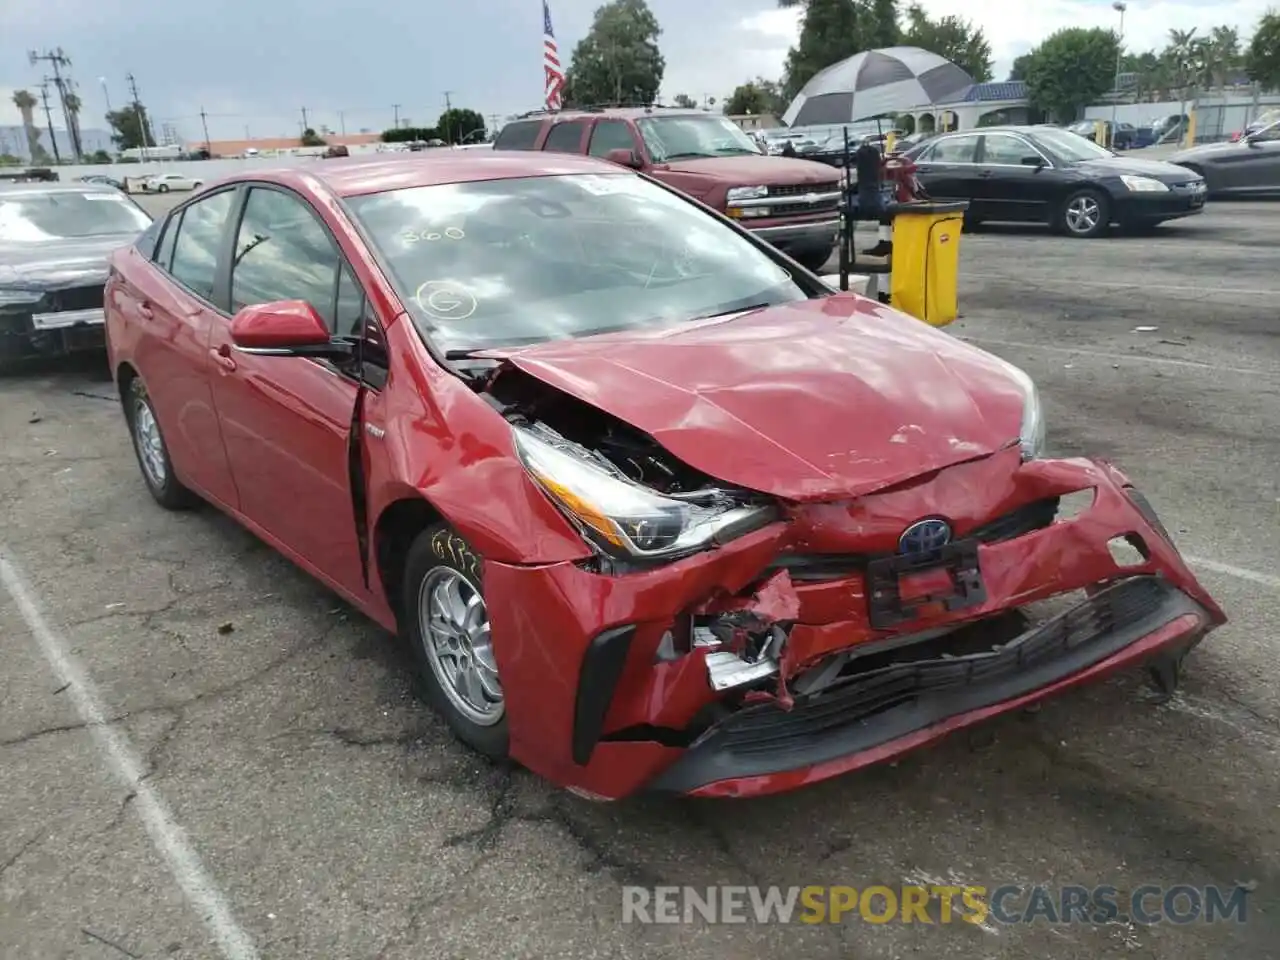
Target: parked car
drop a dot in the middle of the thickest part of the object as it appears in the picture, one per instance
(792, 203)
(101, 178)
(1169, 128)
(54, 242)
(1048, 175)
(165, 182)
(1258, 124)
(635, 489)
(1118, 135)
(1248, 167)
(335, 151)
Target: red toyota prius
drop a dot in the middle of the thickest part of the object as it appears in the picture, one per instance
(653, 507)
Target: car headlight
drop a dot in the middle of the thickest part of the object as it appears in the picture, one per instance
(627, 520)
(1031, 430)
(8, 297)
(737, 194)
(1144, 185)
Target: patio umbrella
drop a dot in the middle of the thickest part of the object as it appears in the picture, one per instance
(875, 83)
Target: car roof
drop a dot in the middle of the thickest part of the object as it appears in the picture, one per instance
(613, 113)
(358, 176)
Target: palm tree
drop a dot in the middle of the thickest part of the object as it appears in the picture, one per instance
(72, 104)
(26, 104)
(1223, 54)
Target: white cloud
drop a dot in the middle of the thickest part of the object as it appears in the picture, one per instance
(1012, 30)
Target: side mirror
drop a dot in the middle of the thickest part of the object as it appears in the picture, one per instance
(1253, 140)
(625, 158)
(285, 328)
(1036, 162)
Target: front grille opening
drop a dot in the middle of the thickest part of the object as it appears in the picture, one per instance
(1071, 505)
(1128, 550)
(77, 298)
(801, 189)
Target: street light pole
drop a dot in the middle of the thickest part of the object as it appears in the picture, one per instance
(1120, 6)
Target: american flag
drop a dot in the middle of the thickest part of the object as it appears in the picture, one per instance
(554, 75)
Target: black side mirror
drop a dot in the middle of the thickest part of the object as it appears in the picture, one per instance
(1036, 162)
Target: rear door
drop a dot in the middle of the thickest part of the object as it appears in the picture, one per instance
(609, 135)
(1253, 166)
(948, 167)
(176, 306)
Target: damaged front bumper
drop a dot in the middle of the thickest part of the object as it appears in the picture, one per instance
(777, 660)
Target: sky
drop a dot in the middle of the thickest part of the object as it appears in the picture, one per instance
(254, 65)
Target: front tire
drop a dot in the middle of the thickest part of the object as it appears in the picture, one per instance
(814, 260)
(1085, 214)
(446, 621)
(152, 452)
(163, 188)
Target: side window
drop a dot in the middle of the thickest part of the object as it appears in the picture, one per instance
(283, 253)
(1001, 148)
(955, 150)
(196, 246)
(164, 252)
(519, 135)
(565, 137)
(611, 135)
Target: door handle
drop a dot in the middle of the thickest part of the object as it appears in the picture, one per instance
(145, 310)
(223, 358)
(984, 174)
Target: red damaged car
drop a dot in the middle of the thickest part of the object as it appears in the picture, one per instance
(652, 506)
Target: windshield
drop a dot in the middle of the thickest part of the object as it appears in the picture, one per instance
(30, 217)
(1071, 147)
(689, 135)
(514, 262)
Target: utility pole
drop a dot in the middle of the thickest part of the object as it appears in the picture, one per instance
(305, 125)
(57, 60)
(448, 105)
(140, 115)
(395, 124)
(48, 116)
(342, 122)
(204, 122)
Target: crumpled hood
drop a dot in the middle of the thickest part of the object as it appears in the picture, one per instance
(817, 400)
(60, 264)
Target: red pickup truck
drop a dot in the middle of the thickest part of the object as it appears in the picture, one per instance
(793, 204)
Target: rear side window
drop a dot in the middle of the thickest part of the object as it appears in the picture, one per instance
(611, 135)
(565, 137)
(521, 135)
(195, 250)
(164, 252)
(955, 150)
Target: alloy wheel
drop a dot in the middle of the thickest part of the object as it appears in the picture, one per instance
(454, 625)
(1082, 214)
(151, 452)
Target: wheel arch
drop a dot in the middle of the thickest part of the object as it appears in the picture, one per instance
(395, 530)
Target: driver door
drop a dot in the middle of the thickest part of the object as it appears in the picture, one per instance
(286, 420)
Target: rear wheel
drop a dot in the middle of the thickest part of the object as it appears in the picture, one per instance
(446, 621)
(163, 188)
(1084, 214)
(153, 452)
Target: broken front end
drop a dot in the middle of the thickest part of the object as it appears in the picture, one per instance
(724, 643)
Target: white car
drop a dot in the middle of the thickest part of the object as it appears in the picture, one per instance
(164, 182)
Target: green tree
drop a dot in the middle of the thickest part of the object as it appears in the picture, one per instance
(409, 134)
(130, 127)
(1262, 59)
(618, 61)
(1071, 69)
(882, 29)
(684, 101)
(100, 156)
(755, 96)
(832, 30)
(460, 125)
(952, 38)
(1018, 71)
(311, 139)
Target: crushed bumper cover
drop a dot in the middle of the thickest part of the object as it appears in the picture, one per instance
(595, 705)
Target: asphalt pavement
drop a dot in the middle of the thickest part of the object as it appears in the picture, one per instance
(207, 755)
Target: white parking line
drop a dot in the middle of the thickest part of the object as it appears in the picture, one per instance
(1240, 573)
(1136, 358)
(169, 838)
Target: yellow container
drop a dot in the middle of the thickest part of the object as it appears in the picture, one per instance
(925, 266)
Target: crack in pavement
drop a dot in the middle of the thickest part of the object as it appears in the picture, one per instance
(19, 853)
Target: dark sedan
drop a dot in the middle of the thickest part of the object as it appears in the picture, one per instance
(1047, 175)
(54, 243)
(1249, 167)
